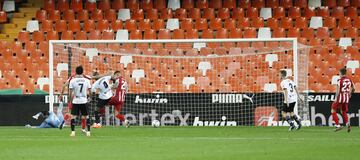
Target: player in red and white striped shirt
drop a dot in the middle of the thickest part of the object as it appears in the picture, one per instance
(344, 89)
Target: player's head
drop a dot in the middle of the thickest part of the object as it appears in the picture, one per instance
(116, 75)
(95, 75)
(79, 70)
(283, 74)
(342, 71)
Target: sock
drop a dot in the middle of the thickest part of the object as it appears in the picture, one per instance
(66, 117)
(72, 124)
(288, 119)
(97, 117)
(345, 117)
(294, 117)
(83, 123)
(120, 117)
(335, 118)
(88, 124)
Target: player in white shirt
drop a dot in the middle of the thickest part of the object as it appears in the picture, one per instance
(79, 89)
(291, 95)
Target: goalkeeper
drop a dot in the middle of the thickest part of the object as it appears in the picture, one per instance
(51, 120)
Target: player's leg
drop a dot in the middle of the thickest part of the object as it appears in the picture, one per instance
(344, 110)
(286, 114)
(74, 112)
(293, 115)
(85, 115)
(60, 115)
(100, 111)
(334, 108)
(120, 116)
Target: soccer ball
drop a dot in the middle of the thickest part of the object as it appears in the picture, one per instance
(155, 123)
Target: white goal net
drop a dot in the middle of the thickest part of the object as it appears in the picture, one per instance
(207, 82)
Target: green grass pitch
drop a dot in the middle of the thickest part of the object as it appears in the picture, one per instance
(184, 143)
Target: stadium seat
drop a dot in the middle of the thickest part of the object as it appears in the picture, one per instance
(201, 24)
(345, 22)
(330, 22)
(54, 15)
(110, 15)
(322, 33)
(265, 13)
(250, 32)
(188, 81)
(130, 25)
(187, 4)
(294, 12)
(309, 12)
(83, 15)
(150, 34)
(264, 32)
(294, 32)
(286, 23)
(301, 23)
(215, 24)
(122, 34)
(144, 24)
(192, 34)
(286, 3)
(23, 36)
(108, 35)
(357, 22)
(41, 82)
(344, 42)
(338, 12)
(137, 74)
(258, 4)
(353, 64)
(158, 24)
(49, 5)
(137, 14)
(165, 14)
(308, 33)
(41, 15)
(301, 3)
(257, 22)
(222, 33)
(323, 12)
(215, 4)
(67, 35)
(223, 13)
(278, 33)
(104, 5)
(252, 12)
(180, 13)
(337, 33)
(61, 67)
(32, 25)
(278, 12)
(330, 3)
(69, 15)
(272, 3)
(172, 24)
(270, 87)
(76, 5)
(74, 25)
(126, 60)
(314, 3)
(124, 14)
(38, 36)
(62, 5)
(344, 3)
(243, 23)
(230, 24)
(352, 32)
(334, 80)
(173, 4)
(203, 83)
(145, 5)
(238, 13)
(94, 35)
(60, 25)
(315, 42)
(135, 34)
(202, 4)
(97, 15)
(89, 25)
(102, 25)
(272, 23)
(194, 13)
(208, 13)
(352, 12)
(316, 22)
(133, 4)
(271, 58)
(152, 14)
(90, 5)
(118, 4)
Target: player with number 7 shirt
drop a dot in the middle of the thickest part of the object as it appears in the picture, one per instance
(344, 89)
(107, 97)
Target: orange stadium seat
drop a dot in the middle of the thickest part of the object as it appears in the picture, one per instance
(104, 5)
(202, 4)
(337, 33)
(137, 14)
(83, 15)
(160, 4)
(301, 22)
(330, 22)
(97, 15)
(49, 5)
(41, 15)
(215, 4)
(352, 12)
(133, 4)
(148, 4)
(76, 5)
(110, 15)
(229, 4)
(330, 3)
(144, 24)
(201, 24)
(187, 4)
(257, 22)
(344, 3)
(208, 13)
(90, 6)
(286, 23)
(186, 24)
(272, 3)
(252, 12)
(62, 5)
(94, 35)
(308, 33)
(230, 23)
(74, 25)
(130, 24)
(158, 24)
(118, 4)
(215, 24)
(38, 36)
(54, 15)
(23, 36)
(337, 12)
(194, 13)
(149, 34)
(243, 23)
(135, 34)
(166, 13)
(272, 23)
(67, 35)
(250, 32)
(102, 25)
(294, 32)
(352, 32)
(60, 25)
(89, 25)
(44, 47)
(116, 25)
(322, 33)
(301, 3)
(192, 34)
(278, 12)
(223, 13)
(30, 47)
(258, 4)
(286, 3)
(180, 13)
(52, 35)
(345, 22)
(357, 22)
(244, 4)
(309, 12)
(152, 14)
(294, 12)
(323, 12)
(278, 33)
(108, 35)
(68, 15)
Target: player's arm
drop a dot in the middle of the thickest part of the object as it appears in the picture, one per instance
(71, 92)
(286, 96)
(337, 92)
(89, 90)
(63, 89)
(103, 75)
(352, 89)
(298, 95)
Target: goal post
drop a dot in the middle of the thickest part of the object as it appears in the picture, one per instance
(199, 82)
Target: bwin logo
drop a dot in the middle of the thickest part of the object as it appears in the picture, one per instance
(231, 98)
(138, 99)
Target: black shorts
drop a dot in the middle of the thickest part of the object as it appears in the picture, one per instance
(290, 108)
(102, 102)
(79, 108)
